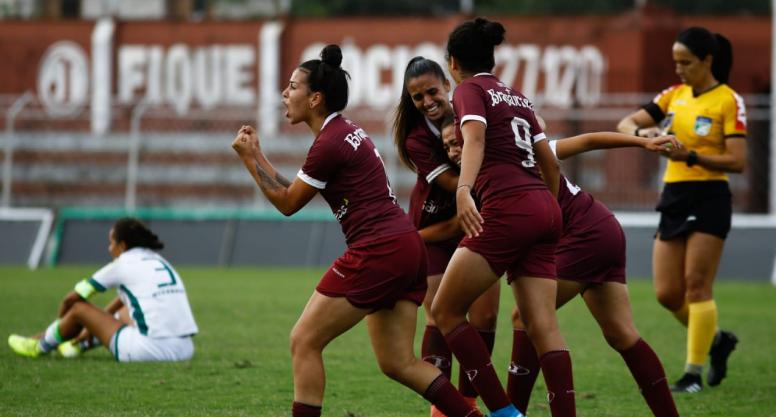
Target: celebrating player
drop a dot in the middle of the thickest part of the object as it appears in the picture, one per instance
(591, 261)
(424, 104)
(382, 274)
(162, 324)
(518, 227)
(709, 120)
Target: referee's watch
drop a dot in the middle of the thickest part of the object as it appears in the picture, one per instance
(692, 158)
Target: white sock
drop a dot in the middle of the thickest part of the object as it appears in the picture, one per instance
(51, 339)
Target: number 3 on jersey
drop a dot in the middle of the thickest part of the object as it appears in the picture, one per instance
(523, 140)
(167, 268)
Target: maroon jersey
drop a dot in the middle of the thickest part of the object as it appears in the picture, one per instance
(429, 203)
(345, 166)
(508, 166)
(580, 210)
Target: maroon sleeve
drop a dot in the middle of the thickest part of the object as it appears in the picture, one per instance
(469, 103)
(322, 164)
(427, 159)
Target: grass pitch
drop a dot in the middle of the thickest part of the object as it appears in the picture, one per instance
(242, 365)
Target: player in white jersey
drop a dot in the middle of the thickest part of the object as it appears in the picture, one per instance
(159, 325)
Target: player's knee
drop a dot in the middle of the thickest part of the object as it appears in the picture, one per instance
(540, 326)
(517, 320)
(620, 336)
(669, 300)
(394, 367)
(78, 309)
(445, 318)
(299, 342)
(484, 320)
(698, 287)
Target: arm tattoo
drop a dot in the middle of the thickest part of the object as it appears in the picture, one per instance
(282, 180)
(265, 180)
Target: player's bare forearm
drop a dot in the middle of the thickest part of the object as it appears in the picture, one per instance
(568, 147)
(271, 188)
(71, 298)
(276, 188)
(574, 145)
(639, 119)
(263, 162)
(442, 231)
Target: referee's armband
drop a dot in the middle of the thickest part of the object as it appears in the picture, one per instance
(85, 289)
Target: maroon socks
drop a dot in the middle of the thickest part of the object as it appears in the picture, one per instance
(648, 372)
(473, 355)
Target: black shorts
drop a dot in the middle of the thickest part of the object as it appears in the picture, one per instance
(695, 206)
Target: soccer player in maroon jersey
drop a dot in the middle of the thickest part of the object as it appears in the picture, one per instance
(382, 274)
(424, 104)
(516, 230)
(590, 262)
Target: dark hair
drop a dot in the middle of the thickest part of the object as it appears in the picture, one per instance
(326, 76)
(448, 120)
(407, 115)
(134, 234)
(472, 44)
(702, 43)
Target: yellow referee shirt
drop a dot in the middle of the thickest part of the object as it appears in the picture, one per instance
(700, 124)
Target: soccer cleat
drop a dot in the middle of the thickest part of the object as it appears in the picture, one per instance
(723, 346)
(508, 411)
(436, 413)
(69, 349)
(472, 401)
(24, 346)
(688, 384)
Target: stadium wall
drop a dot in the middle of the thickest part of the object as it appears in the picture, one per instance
(312, 238)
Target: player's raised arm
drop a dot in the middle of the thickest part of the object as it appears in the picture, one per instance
(288, 197)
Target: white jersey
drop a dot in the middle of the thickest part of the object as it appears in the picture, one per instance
(151, 290)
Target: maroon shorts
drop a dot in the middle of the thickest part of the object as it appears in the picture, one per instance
(439, 254)
(377, 274)
(520, 234)
(593, 255)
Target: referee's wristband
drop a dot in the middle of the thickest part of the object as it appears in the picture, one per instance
(85, 289)
(692, 158)
(636, 132)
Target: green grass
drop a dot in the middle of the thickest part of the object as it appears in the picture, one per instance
(242, 365)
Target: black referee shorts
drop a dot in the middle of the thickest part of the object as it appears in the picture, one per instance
(695, 206)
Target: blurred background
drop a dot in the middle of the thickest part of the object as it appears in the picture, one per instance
(115, 107)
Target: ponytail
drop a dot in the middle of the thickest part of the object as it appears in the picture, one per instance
(134, 234)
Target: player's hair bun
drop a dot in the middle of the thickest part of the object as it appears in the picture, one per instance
(493, 32)
(332, 55)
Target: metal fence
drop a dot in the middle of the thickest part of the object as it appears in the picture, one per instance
(155, 157)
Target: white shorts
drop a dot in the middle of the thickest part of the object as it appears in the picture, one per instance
(128, 345)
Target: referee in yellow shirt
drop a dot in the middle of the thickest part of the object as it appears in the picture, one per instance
(709, 120)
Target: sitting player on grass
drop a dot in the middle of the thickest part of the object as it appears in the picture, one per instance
(159, 326)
